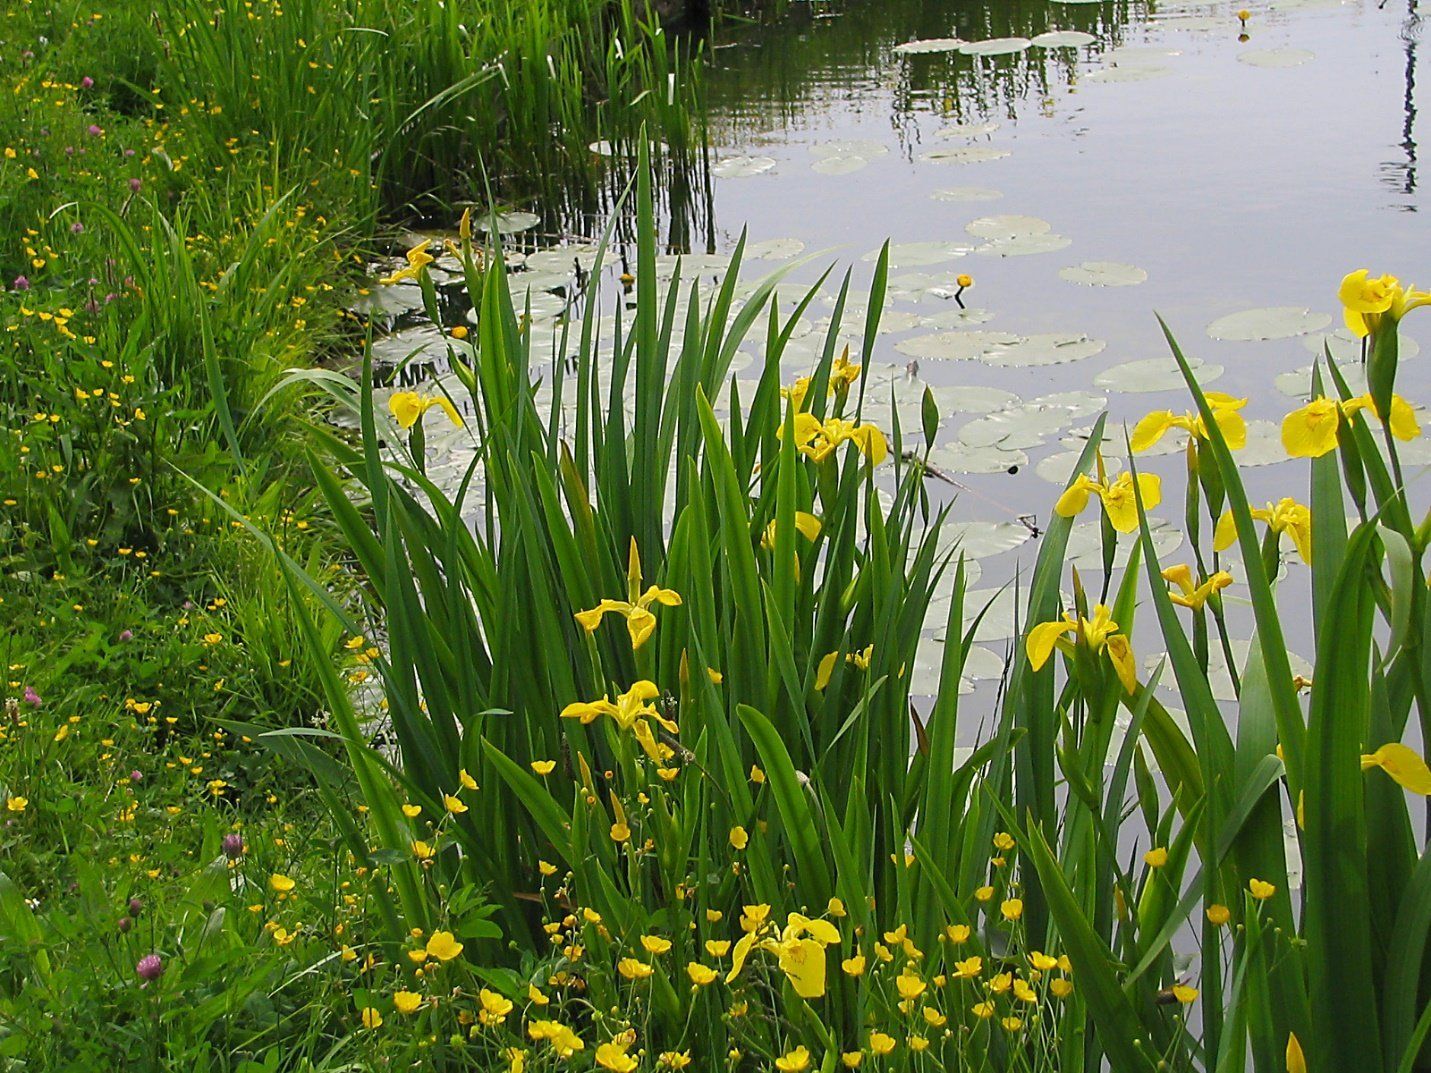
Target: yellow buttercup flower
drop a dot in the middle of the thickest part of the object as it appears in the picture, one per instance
(1229, 421)
(799, 948)
(1286, 516)
(443, 946)
(281, 883)
(372, 1018)
(636, 609)
(613, 1056)
(406, 1002)
(1184, 994)
(408, 406)
(417, 259)
(1156, 857)
(1218, 915)
(818, 439)
(795, 1061)
(634, 968)
(1403, 764)
(1261, 889)
(1099, 633)
(1190, 594)
(881, 1043)
(1311, 431)
(1366, 300)
(495, 1007)
(701, 975)
(631, 711)
(1117, 497)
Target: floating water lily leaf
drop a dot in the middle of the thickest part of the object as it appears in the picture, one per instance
(973, 399)
(966, 130)
(954, 317)
(999, 608)
(961, 458)
(1217, 674)
(919, 254)
(865, 147)
(967, 193)
(1045, 348)
(1104, 274)
(1007, 227)
(1270, 322)
(1201, 23)
(1153, 374)
(1133, 55)
(1063, 39)
(1346, 348)
(1057, 468)
(391, 301)
(1276, 57)
(996, 46)
(738, 167)
(1264, 445)
(510, 223)
(774, 249)
(564, 259)
(955, 346)
(982, 540)
(1131, 72)
(1017, 429)
(1085, 544)
(1023, 245)
(929, 44)
(1298, 382)
(964, 154)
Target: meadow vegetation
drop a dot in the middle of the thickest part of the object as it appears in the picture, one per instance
(615, 759)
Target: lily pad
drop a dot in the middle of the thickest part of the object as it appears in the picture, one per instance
(1063, 39)
(774, 249)
(1153, 374)
(964, 154)
(955, 346)
(1104, 274)
(928, 45)
(1007, 227)
(972, 399)
(510, 223)
(995, 46)
(920, 254)
(1276, 57)
(967, 193)
(1346, 348)
(955, 317)
(1045, 348)
(1270, 322)
(966, 130)
(1085, 544)
(1133, 72)
(1298, 382)
(566, 258)
(738, 167)
(982, 540)
(1023, 245)
(961, 458)
(1056, 468)
(1264, 445)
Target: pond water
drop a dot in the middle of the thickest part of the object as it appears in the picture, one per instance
(1089, 165)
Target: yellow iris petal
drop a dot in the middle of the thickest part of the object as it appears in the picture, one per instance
(1403, 419)
(1233, 427)
(1403, 764)
(1226, 533)
(406, 407)
(1151, 429)
(803, 962)
(1120, 653)
(1042, 639)
(1075, 499)
(824, 671)
(1312, 431)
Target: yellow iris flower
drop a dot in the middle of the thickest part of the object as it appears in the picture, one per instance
(417, 259)
(1366, 299)
(1119, 502)
(1403, 764)
(807, 525)
(636, 608)
(408, 406)
(631, 711)
(1311, 431)
(1100, 633)
(799, 948)
(1190, 594)
(843, 373)
(818, 439)
(1286, 516)
(1225, 414)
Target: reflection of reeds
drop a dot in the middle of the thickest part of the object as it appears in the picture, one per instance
(832, 59)
(437, 101)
